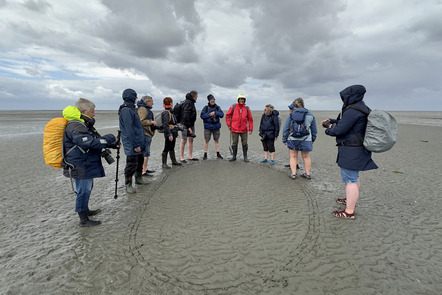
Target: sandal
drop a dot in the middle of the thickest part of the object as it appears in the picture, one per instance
(342, 201)
(343, 214)
(305, 175)
(293, 176)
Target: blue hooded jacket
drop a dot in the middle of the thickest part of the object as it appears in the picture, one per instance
(209, 122)
(350, 125)
(132, 134)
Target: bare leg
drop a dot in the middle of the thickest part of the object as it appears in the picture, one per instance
(293, 160)
(272, 156)
(216, 145)
(352, 193)
(190, 147)
(307, 162)
(182, 146)
(206, 146)
(146, 159)
(266, 155)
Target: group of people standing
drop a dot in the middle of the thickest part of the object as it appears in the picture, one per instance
(138, 126)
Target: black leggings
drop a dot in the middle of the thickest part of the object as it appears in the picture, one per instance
(169, 145)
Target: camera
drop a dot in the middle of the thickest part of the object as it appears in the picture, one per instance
(326, 124)
(192, 135)
(106, 154)
(263, 137)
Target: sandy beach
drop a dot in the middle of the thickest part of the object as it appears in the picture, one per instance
(215, 227)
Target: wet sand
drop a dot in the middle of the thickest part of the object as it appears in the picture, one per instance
(215, 227)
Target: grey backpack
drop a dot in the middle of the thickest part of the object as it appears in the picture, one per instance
(381, 131)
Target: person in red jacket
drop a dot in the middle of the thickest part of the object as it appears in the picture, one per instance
(239, 120)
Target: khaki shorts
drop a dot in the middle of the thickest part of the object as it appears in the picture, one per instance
(208, 132)
(185, 131)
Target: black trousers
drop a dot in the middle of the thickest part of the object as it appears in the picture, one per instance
(133, 164)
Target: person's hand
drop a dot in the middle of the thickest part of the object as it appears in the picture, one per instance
(137, 149)
(250, 133)
(170, 138)
(276, 138)
(326, 123)
(190, 130)
(212, 114)
(154, 122)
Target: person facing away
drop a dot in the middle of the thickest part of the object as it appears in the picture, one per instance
(304, 143)
(211, 114)
(349, 128)
(82, 147)
(170, 128)
(239, 120)
(148, 122)
(188, 121)
(132, 137)
(269, 132)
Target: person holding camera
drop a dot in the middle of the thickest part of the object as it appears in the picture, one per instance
(170, 128)
(149, 125)
(348, 128)
(83, 148)
(211, 114)
(188, 121)
(132, 137)
(300, 119)
(269, 132)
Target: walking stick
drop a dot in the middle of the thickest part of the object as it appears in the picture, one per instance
(118, 161)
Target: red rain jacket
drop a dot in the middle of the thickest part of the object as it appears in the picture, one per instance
(239, 118)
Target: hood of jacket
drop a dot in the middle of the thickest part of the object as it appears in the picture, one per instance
(72, 113)
(129, 97)
(300, 110)
(352, 94)
(141, 104)
(189, 97)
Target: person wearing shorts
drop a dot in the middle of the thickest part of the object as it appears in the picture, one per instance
(353, 157)
(188, 121)
(302, 144)
(211, 115)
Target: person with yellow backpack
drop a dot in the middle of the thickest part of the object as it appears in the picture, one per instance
(83, 148)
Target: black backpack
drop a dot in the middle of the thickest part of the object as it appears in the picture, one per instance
(178, 110)
(298, 126)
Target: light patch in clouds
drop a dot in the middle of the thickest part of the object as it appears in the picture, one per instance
(273, 51)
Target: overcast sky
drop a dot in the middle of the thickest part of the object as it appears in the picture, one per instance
(54, 51)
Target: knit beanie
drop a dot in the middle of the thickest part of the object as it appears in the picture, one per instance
(210, 97)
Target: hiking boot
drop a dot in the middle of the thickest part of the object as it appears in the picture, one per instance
(205, 156)
(218, 155)
(85, 222)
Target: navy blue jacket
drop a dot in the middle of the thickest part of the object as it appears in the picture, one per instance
(132, 133)
(269, 125)
(209, 122)
(84, 146)
(349, 125)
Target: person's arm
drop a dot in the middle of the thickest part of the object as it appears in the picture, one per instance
(286, 130)
(313, 129)
(229, 117)
(250, 118)
(218, 112)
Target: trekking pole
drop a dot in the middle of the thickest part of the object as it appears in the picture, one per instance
(118, 161)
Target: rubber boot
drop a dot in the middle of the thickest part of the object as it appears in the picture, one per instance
(173, 158)
(129, 188)
(244, 152)
(92, 212)
(164, 158)
(85, 222)
(139, 179)
(235, 151)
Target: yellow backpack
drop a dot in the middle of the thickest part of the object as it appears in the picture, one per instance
(53, 142)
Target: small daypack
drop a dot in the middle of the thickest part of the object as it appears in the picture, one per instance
(159, 121)
(298, 126)
(178, 110)
(381, 131)
(53, 142)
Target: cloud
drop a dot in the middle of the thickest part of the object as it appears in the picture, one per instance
(272, 51)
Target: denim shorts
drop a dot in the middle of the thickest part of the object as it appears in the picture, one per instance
(147, 145)
(349, 176)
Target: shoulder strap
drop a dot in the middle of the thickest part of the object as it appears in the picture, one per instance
(358, 108)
